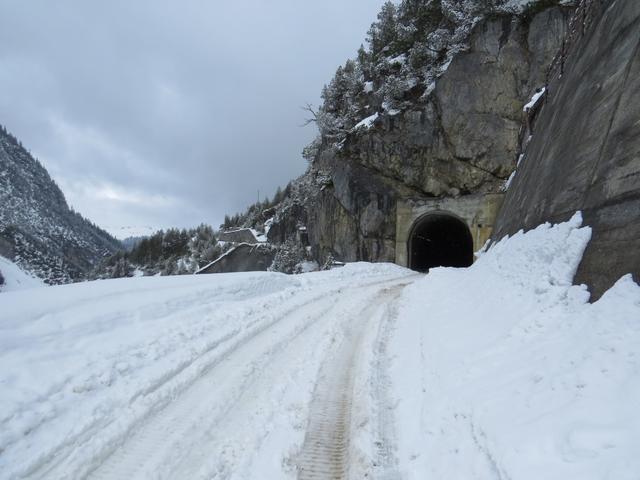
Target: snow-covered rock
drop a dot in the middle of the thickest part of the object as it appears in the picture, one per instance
(534, 99)
(366, 122)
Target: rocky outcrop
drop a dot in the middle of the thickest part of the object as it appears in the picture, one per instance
(464, 138)
(289, 217)
(242, 258)
(240, 235)
(352, 217)
(585, 150)
(456, 137)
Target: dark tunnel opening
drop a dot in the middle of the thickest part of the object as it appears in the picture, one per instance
(440, 240)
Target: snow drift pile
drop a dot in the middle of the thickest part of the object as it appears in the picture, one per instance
(503, 370)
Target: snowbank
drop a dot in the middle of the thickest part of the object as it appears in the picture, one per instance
(16, 278)
(503, 370)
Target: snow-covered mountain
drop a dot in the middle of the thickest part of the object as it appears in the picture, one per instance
(38, 230)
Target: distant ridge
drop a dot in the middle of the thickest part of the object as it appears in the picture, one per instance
(38, 230)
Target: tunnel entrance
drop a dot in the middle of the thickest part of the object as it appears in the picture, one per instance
(439, 240)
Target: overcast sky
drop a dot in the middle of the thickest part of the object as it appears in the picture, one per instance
(170, 113)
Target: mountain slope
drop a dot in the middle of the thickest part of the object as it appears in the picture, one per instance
(38, 230)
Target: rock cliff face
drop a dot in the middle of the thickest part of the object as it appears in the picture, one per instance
(242, 258)
(450, 135)
(38, 230)
(585, 150)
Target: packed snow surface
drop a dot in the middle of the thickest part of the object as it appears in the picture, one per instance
(502, 370)
(15, 278)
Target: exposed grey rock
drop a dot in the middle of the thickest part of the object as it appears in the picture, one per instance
(286, 222)
(462, 138)
(585, 150)
(240, 235)
(242, 258)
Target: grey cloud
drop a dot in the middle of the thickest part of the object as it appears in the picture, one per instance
(170, 113)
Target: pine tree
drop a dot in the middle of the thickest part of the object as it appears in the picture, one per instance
(384, 32)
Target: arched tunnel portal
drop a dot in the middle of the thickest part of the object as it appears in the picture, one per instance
(439, 240)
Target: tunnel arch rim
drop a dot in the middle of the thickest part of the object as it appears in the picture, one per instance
(421, 218)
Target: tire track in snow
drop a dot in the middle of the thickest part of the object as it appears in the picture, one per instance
(236, 455)
(385, 461)
(63, 464)
(157, 443)
(181, 421)
(326, 446)
(326, 450)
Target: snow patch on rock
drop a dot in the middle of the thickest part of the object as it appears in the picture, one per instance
(366, 122)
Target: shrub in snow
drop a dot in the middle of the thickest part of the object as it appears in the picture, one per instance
(328, 262)
(122, 268)
(288, 257)
(306, 266)
(1, 279)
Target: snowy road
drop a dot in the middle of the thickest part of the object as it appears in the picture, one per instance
(273, 393)
(226, 405)
(326, 452)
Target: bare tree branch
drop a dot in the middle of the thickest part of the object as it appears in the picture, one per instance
(314, 114)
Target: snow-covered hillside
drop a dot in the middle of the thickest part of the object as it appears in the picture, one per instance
(502, 370)
(38, 230)
(14, 278)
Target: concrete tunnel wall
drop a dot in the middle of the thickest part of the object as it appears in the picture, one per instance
(478, 212)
